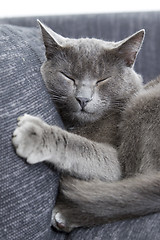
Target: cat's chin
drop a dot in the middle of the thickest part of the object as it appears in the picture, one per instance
(86, 117)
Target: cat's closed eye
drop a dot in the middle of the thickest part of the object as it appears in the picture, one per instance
(68, 77)
(102, 80)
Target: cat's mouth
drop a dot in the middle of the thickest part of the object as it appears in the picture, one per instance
(88, 113)
(83, 110)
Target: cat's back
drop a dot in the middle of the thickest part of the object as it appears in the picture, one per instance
(140, 131)
(152, 84)
(146, 104)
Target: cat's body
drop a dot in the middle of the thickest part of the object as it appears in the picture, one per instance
(113, 131)
(140, 132)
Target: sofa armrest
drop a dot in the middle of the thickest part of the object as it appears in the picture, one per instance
(27, 192)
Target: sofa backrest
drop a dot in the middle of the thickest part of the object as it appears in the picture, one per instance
(114, 27)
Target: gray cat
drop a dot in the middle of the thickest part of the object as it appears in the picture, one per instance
(109, 155)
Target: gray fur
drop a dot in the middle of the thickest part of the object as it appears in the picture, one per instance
(109, 155)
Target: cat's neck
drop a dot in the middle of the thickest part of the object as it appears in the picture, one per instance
(105, 130)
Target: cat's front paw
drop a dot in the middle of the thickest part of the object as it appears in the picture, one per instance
(28, 138)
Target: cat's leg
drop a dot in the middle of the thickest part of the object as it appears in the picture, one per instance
(36, 141)
(86, 204)
(66, 214)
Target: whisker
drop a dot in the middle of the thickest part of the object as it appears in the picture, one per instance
(55, 97)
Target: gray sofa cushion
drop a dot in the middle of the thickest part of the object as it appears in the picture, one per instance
(27, 193)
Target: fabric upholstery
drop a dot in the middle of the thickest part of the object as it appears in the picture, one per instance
(28, 192)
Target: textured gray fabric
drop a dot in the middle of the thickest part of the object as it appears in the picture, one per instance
(143, 228)
(27, 193)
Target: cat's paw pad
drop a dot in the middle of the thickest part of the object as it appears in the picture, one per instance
(27, 138)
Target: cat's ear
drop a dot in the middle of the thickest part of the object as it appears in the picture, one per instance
(129, 47)
(52, 40)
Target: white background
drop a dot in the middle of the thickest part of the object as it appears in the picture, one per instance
(14, 8)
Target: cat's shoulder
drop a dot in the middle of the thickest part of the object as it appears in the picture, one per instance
(153, 83)
(146, 101)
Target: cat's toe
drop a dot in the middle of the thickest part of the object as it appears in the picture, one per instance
(59, 222)
(21, 119)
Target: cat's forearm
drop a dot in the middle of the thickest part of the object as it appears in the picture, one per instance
(37, 141)
(82, 157)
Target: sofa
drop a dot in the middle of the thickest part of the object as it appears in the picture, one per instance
(28, 192)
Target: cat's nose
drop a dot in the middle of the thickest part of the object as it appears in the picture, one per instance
(82, 101)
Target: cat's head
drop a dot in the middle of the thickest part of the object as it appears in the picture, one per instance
(88, 77)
